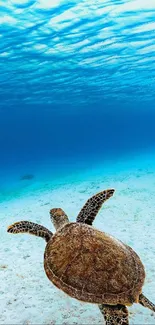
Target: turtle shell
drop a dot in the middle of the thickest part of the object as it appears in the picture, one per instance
(92, 266)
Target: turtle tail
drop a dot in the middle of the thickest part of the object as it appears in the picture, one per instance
(145, 302)
(31, 228)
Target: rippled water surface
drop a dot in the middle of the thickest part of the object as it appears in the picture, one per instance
(76, 52)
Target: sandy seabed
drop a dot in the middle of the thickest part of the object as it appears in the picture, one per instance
(26, 295)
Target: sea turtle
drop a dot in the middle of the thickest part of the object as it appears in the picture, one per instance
(90, 265)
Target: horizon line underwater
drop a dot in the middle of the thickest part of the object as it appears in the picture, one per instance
(77, 162)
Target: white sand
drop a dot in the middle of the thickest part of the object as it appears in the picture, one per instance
(26, 295)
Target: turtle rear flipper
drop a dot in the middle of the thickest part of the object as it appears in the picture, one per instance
(115, 315)
(145, 302)
(92, 206)
(31, 228)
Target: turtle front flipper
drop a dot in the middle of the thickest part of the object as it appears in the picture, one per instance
(145, 302)
(115, 315)
(92, 206)
(31, 228)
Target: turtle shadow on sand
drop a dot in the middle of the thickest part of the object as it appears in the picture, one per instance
(90, 265)
(27, 177)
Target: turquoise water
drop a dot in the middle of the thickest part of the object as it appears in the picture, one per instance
(77, 94)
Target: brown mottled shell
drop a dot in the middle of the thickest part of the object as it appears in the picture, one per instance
(92, 266)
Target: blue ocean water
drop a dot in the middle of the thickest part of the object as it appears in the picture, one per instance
(77, 115)
(77, 85)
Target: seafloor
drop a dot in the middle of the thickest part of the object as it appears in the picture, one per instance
(26, 295)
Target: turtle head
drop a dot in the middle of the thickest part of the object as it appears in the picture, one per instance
(58, 217)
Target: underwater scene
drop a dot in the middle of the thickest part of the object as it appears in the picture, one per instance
(77, 162)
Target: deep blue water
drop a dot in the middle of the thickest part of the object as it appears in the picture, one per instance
(77, 83)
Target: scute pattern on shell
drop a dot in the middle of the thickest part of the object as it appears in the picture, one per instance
(93, 266)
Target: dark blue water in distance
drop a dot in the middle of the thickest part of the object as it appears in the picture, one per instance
(77, 84)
